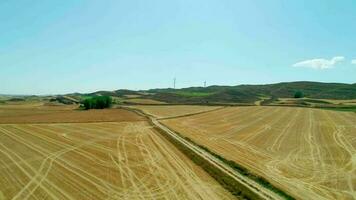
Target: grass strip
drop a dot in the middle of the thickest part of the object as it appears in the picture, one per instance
(226, 181)
(237, 189)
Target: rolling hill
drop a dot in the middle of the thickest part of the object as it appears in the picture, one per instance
(251, 93)
(245, 94)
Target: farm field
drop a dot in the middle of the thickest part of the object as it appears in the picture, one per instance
(105, 160)
(38, 113)
(143, 101)
(164, 111)
(313, 102)
(309, 153)
(351, 102)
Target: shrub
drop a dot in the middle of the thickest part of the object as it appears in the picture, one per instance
(98, 102)
(298, 94)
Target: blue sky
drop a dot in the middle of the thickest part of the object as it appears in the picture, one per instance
(50, 47)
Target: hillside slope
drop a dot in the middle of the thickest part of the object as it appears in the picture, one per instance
(236, 94)
(251, 93)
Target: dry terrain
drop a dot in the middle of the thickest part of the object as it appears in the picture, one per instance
(143, 101)
(164, 111)
(125, 159)
(38, 112)
(132, 96)
(310, 153)
(315, 102)
(21, 116)
(351, 102)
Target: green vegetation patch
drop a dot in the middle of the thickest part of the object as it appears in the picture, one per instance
(15, 99)
(298, 94)
(98, 102)
(84, 97)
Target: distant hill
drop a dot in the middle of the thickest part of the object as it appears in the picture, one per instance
(213, 94)
(315, 90)
(251, 93)
(240, 93)
(116, 93)
(65, 99)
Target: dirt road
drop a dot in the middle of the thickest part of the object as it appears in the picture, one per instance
(309, 153)
(261, 191)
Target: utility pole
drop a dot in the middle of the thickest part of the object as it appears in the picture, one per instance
(204, 83)
(174, 83)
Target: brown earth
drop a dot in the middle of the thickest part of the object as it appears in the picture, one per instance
(310, 153)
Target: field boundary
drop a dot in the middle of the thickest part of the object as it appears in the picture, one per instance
(189, 104)
(233, 177)
(242, 170)
(191, 114)
(343, 108)
(227, 182)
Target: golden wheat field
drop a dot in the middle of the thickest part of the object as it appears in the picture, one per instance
(103, 160)
(310, 153)
(167, 111)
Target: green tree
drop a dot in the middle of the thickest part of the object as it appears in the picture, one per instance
(87, 103)
(98, 102)
(298, 94)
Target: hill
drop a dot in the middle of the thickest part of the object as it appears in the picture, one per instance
(234, 94)
(251, 93)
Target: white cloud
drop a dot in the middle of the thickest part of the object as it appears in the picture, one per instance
(319, 63)
(353, 61)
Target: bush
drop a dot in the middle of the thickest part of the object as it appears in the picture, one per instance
(98, 102)
(298, 94)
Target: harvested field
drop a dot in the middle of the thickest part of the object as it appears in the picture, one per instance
(144, 101)
(314, 102)
(132, 96)
(310, 153)
(36, 105)
(351, 102)
(112, 160)
(16, 116)
(173, 111)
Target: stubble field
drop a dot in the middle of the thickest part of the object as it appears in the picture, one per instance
(309, 153)
(100, 160)
(168, 111)
(39, 113)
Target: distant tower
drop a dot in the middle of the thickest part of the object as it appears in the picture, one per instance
(174, 83)
(204, 83)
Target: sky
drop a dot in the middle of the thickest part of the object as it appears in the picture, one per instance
(57, 47)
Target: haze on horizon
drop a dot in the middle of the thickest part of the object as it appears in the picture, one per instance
(57, 47)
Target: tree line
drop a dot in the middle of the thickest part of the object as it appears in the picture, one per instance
(97, 102)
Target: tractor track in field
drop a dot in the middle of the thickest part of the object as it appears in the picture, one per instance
(308, 153)
(102, 160)
(260, 191)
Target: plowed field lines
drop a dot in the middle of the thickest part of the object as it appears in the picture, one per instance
(126, 160)
(310, 153)
(163, 111)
